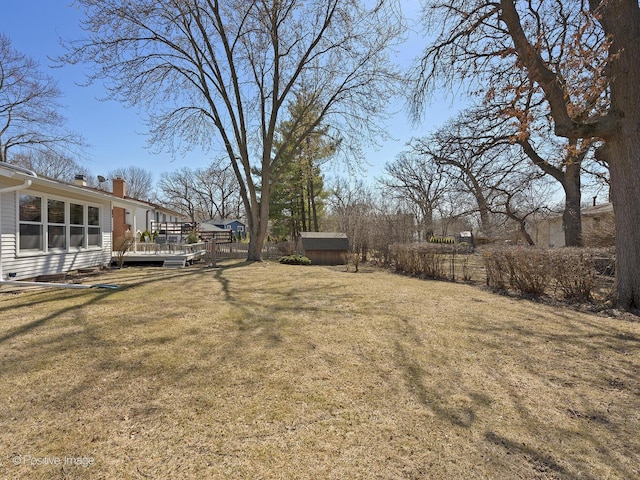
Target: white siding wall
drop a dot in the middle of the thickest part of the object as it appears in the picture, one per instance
(7, 227)
(142, 223)
(30, 266)
(107, 228)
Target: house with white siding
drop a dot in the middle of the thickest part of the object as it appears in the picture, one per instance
(50, 227)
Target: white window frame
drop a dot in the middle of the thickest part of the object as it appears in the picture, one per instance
(41, 224)
(44, 225)
(65, 225)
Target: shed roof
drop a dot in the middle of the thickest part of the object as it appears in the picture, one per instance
(208, 227)
(324, 241)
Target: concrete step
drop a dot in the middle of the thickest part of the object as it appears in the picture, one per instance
(175, 262)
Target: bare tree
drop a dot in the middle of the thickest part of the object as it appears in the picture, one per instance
(481, 39)
(532, 129)
(417, 180)
(351, 206)
(178, 191)
(482, 153)
(372, 222)
(139, 181)
(473, 165)
(30, 119)
(218, 191)
(222, 72)
(522, 200)
(49, 164)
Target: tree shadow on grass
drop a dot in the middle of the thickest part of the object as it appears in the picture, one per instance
(545, 464)
(71, 300)
(267, 312)
(438, 400)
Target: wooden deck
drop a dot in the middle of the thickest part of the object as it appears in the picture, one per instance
(190, 257)
(159, 253)
(151, 253)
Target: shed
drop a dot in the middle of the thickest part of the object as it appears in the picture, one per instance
(324, 248)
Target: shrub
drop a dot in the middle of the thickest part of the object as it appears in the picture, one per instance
(567, 273)
(445, 240)
(295, 260)
(286, 248)
(529, 270)
(496, 268)
(121, 246)
(351, 259)
(526, 270)
(428, 259)
(192, 237)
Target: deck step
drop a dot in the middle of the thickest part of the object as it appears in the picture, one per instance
(175, 262)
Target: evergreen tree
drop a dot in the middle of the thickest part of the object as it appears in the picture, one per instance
(296, 202)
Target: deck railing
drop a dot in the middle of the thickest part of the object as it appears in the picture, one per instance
(160, 248)
(241, 250)
(223, 250)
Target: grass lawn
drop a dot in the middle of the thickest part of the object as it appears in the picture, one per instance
(281, 372)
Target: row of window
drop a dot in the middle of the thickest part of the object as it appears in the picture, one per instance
(52, 225)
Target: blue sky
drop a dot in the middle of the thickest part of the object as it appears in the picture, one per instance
(115, 134)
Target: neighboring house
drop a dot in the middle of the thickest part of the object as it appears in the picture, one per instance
(50, 227)
(208, 231)
(597, 228)
(324, 248)
(236, 226)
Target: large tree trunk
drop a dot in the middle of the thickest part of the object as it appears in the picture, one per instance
(258, 218)
(258, 234)
(622, 150)
(572, 216)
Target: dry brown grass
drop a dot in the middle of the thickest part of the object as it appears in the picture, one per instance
(275, 371)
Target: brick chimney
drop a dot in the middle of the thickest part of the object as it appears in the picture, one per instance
(119, 188)
(119, 216)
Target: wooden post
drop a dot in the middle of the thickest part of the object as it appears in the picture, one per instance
(213, 252)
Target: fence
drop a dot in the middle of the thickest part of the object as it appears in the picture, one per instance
(240, 250)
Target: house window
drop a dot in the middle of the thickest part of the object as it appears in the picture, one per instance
(56, 225)
(93, 217)
(53, 225)
(76, 216)
(30, 220)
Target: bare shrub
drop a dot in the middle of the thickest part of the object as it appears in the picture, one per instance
(121, 246)
(286, 248)
(355, 260)
(574, 273)
(351, 258)
(576, 270)
(427, 260)
(466, 268)
(529, 270)
(497, 269)
(600, 233)
(523, 269)
(565, 273)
